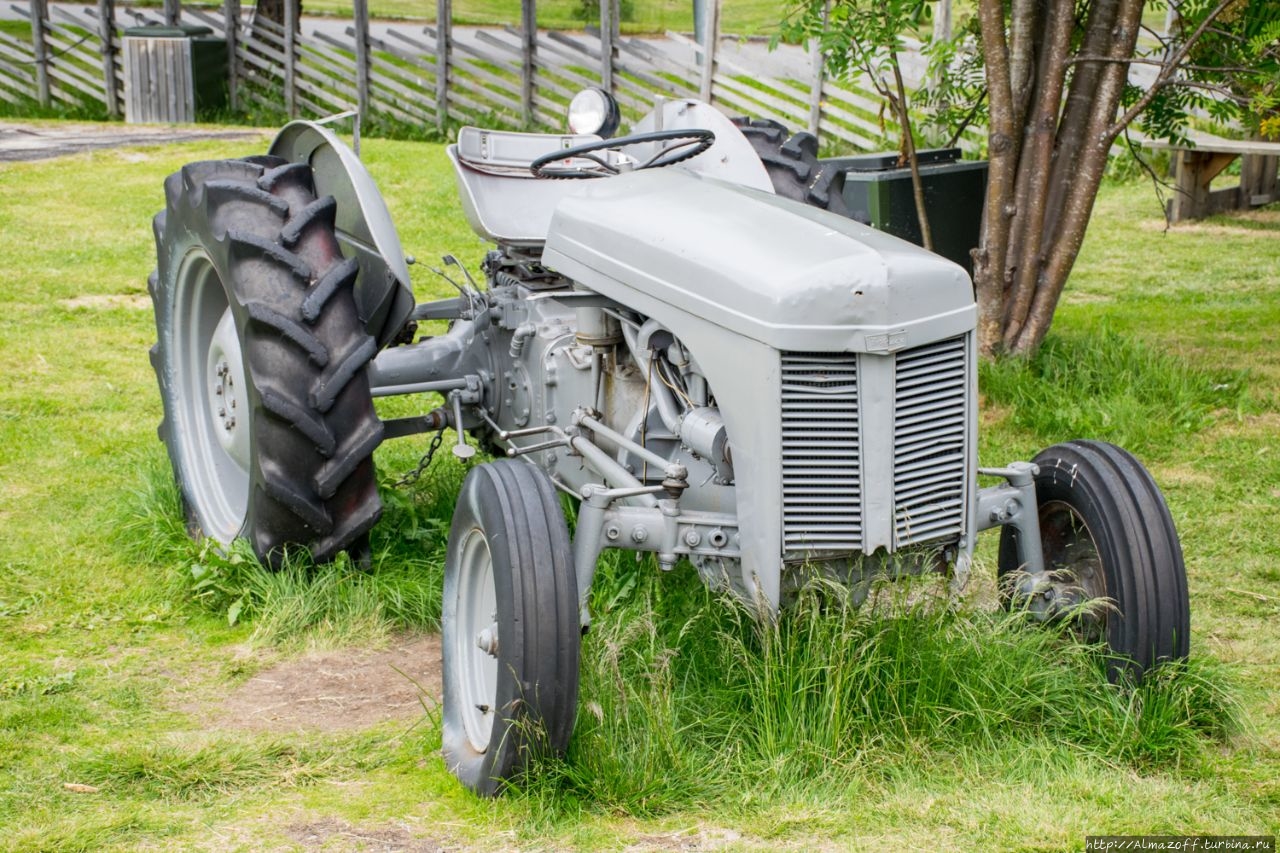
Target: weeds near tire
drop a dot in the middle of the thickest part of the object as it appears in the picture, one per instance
(301, 603)
(687, 697)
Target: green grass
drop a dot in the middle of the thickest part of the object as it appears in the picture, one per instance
(740, 17)
(907, 724)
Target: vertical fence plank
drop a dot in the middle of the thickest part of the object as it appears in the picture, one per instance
(819, 77)
(172, 12)
(707, 91)
(528, 48)
(360, 9)
(942, 20)
(608, 25)
(444, 39)
(290, 57)
(40, 45)
(231, 27)
(109, 49)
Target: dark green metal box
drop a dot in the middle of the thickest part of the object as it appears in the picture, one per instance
(878, 192)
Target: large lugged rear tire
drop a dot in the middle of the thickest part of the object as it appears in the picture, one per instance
(261, 360)
(793, 165)
(1106, 532)
(510, 626)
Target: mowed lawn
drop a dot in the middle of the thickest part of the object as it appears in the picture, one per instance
(134, 715)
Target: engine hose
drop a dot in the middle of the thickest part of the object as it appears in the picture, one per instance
(668, 411)
(502, 278)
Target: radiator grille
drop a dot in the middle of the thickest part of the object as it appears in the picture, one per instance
(821, 489)
(930, 422)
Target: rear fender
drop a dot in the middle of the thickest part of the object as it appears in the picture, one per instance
(384, 296)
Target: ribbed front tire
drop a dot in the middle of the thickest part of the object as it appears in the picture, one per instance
(510, 623)
(1106, 532)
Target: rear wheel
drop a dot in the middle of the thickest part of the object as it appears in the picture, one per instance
(793, 165)
(261, 360)
(1106, 534)
(510, 626)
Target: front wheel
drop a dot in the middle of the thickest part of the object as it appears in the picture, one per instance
(1111, 556)
(510, 626)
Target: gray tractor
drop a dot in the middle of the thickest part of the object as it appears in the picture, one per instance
(672, 331)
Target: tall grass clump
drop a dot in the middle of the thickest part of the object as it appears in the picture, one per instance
(689, 697)
(301, 602)
(1107, 386)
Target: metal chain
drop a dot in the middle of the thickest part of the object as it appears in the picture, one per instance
(416, 474)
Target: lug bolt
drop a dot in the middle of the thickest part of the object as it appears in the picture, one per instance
(487, 641)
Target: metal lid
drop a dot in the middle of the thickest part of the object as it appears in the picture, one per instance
(156, 31)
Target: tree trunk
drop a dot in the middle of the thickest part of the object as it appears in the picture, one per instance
(1048, 154)
(1083, 191)
(273, 10)
(1002, 152)
(1026, 260)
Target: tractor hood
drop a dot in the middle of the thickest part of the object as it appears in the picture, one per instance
(786, 274)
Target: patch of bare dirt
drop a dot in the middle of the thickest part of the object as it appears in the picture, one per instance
(1210, 229)
(331, 834)
(705, 838)
(337, 691)
(100, 301)
(39, 142)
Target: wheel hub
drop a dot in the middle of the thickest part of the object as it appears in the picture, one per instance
(226, 396)
(477, 641)
(211, 406)
(1073, 572)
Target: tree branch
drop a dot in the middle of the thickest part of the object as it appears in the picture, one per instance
(1171, 65)
(967, 120)
(1080, 59)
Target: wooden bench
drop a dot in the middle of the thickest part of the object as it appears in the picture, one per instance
(1195, 166)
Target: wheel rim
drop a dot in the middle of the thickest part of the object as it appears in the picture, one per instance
(476, 640)
(212, 403)
(1074, 573)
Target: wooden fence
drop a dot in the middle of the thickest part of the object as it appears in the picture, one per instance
(515, 76)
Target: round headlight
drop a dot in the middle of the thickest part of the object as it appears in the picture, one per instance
(594, 111)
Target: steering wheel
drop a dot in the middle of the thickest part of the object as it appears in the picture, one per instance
(688, 143)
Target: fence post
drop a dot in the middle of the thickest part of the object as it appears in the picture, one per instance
(231, 29)
(528, 51)
(942, 20)
(172, 12)
(290, 57)
(608, 26)
(707, 91)
(40, 46)
(819, 76)
(360, 9)
(444, 46)
(107, 35)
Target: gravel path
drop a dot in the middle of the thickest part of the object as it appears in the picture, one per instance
(38, 142)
